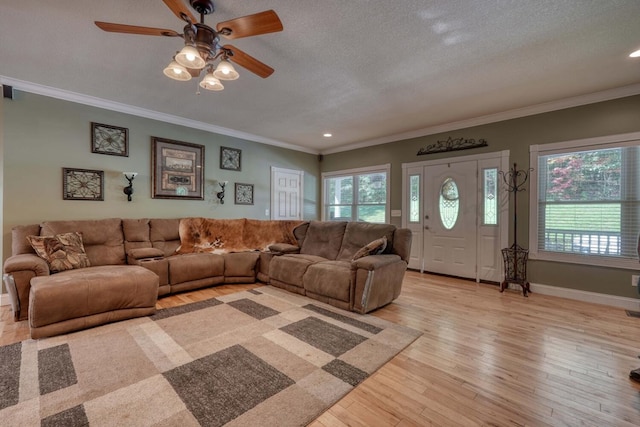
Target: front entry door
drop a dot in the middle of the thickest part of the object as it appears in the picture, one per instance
(450, 212)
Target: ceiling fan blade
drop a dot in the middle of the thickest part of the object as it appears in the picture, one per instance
(134, 29)
(179, 9)
(250, 25)
(248, 62)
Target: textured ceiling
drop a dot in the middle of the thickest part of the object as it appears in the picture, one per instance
(365, 70)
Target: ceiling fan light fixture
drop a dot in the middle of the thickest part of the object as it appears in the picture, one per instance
(225, 71)
(210, 82)
(189, 57)
(177, 72)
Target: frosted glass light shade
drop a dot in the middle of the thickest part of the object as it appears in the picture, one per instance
(210, 82)
(189, 57)
(177, 72)
(225, 71)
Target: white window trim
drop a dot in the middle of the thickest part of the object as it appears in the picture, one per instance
(356, 171)
(560, 147)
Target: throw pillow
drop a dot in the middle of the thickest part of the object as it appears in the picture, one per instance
(62, 251)
(373, 248)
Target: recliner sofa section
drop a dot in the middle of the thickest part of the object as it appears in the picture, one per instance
(323, 267)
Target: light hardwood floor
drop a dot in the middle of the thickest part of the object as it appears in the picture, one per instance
(484, 358)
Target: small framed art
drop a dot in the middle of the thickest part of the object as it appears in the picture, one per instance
(244, 194)
(177, 169)
(82, 184)
(230, 158)
(107, 139)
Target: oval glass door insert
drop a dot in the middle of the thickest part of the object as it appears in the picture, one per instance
(449, 203)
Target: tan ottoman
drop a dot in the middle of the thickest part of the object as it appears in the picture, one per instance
(79, 299)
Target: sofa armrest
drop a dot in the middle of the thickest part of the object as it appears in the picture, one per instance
(23, 262)
(378, 281)
(284, 248)
(373, 262)
(134, 255)
(20, 269)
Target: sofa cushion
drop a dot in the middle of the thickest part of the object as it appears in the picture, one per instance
(19, 242)
(189, 267)
(102, 239)
(372, 248)
(323, 239)
(331, 279)
(300, 232)
(62, 251)
(359, 234)
(164, 234)
(290, 269)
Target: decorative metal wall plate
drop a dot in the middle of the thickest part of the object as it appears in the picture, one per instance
(230, 158)
(82, 184)
(107, 139)
(244, 194)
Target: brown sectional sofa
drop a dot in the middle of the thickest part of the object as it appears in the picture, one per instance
(133, 261)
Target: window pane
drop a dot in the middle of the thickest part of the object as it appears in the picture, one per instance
(414, 198)
(588, 202)
(583, 176)
(372, 188)
(339, 190)
(371, 213)
(356, 197)
(490, 191)
(339, 213)
(449, 203)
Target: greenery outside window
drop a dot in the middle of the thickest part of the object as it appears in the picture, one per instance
(587, 203)
(357, 195)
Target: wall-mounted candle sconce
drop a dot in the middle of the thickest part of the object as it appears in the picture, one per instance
(220, 193)
(128, 190)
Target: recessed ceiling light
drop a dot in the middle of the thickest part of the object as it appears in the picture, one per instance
(327, 135)
(635, 54)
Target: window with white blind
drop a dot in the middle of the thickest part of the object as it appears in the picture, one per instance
(357, 194)
(586, 201)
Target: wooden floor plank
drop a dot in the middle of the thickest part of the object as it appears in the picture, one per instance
(485, 358)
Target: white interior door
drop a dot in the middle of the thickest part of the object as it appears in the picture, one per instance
(450, 218)
(286, 194)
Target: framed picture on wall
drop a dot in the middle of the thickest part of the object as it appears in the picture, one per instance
(82, 184)
(107, 139)
(230, 158)
(177, 169)
(244, 194)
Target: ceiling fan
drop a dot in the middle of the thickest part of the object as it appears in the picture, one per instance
(202, 45)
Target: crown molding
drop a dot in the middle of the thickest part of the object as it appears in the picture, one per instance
(93, 101)
(546, 107)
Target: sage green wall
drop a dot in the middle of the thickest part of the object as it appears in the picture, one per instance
(42, 135)
(516, 135)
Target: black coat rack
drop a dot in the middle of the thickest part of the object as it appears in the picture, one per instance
(515, 257)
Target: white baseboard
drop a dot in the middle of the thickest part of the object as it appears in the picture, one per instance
(4, 299)
(586, 296)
